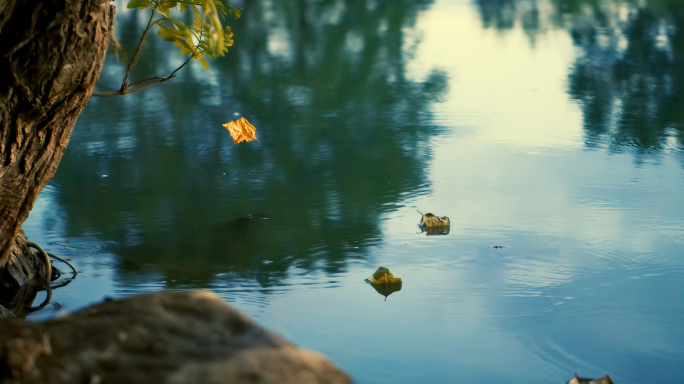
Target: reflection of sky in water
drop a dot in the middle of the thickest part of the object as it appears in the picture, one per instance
(589, 278)
(499, 83)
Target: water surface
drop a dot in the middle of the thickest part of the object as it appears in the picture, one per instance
(552, 129)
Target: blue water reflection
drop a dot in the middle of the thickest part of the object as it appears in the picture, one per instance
(549, 128)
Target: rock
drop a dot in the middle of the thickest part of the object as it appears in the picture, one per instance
(5, 313)
(166, 337)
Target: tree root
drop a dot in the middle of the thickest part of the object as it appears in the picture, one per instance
(48, 274)
(20, 305)
(65, 262)
(48, 264)
(46, 259)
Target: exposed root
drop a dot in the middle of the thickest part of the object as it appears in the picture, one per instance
(23, 278)
(46, 259)
(64, 261)
(47, 300)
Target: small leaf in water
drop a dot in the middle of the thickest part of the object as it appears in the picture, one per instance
(384, 282)
(603, 380)
(434, 225)
(430, 220)
(241, 130)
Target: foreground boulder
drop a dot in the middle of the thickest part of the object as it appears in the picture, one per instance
(167, 337)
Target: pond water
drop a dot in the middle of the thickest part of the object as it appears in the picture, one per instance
(554, 129)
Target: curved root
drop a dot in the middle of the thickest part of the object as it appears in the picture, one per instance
(46, 259)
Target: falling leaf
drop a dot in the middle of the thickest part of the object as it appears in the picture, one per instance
(241, 130)
(603, 380)
(384, 282)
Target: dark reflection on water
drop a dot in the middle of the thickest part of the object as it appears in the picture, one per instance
(342, 137)
(629, 78)
(628, 73)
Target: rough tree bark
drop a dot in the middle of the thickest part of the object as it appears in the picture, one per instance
(51, 55)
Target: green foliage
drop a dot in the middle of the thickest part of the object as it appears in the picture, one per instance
(206, 36)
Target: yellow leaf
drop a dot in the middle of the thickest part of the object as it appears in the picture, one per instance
(205, 64)
(241, 130)
(430, 220)
(603, 380)
(382, 276)
(142, 4)
(384, 282)
(434, 225)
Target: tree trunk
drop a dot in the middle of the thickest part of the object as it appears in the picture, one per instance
(51, 55)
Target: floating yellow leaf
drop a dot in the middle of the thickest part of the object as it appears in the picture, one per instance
(241, 130)
(430, 220)
(433, 224)
(384, 282)
(603, 380)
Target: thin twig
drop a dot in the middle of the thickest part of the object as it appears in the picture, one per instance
(121, 92)
(64, 261)
(192, 55)
(150, 81)
(173, 74)
(155, 79)
(124, 84)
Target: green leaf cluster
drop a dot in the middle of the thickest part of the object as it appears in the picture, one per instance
(205, 37)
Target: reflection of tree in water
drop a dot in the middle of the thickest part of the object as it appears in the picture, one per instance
(628, 75)
(343, 137)
(628, 79)
(504, 15)
(499, 14)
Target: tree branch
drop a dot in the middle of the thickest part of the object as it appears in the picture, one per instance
(146, 83)
(194, 52)
(124, 84)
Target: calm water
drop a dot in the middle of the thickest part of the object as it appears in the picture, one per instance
(551, 128)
